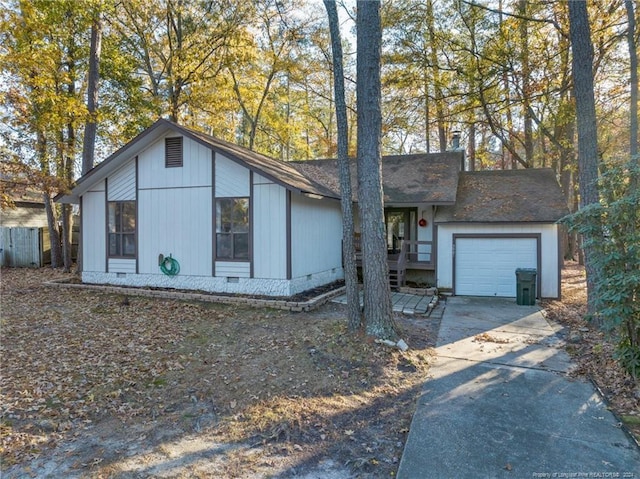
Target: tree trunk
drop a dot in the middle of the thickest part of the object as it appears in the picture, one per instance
(348, 247)
(377, 294)
(427, 115)
(66, 237)
(89, 141)
(472, 146)
(88, 144)
(437, 81)
(582, 64)
(54, 234)
(67, 156)
(633, 107)
(526, 83)
(52, 220)
(65, 217)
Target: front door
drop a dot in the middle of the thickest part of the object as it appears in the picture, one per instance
(400, 225)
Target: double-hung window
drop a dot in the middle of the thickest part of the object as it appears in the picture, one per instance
(232, 228)
(122, 229)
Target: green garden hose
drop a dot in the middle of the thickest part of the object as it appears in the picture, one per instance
(170, 266)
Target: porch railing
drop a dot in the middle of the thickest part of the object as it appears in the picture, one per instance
(419, 254)
(416, 254)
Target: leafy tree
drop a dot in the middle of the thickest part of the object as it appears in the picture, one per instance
(179, 46)
(42, 59)
(263, 73)
(375, 271)
(611, 229)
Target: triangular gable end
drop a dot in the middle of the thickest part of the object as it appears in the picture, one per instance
(275, 170)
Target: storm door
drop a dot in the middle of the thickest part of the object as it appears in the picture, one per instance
(400, 225)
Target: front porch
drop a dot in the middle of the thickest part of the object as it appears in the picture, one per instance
(405, 255)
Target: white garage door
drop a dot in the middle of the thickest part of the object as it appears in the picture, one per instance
(486, 266)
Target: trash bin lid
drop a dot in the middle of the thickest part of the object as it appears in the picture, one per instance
(526, 274)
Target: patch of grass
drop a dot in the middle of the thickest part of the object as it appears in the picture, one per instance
(102, 310)
(631, 420)
(159, 382)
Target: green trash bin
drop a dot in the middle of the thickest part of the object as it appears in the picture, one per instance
(526, 286)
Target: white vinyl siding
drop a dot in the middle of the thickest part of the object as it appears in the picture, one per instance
(232, 179)
(235, 269)
(269, 229)
(316, 235)
(548, 246)
(24, 216)
(486, 266)
(94, 251)
(177, 222)
(122, 183)
(195, 171)
(119, 265)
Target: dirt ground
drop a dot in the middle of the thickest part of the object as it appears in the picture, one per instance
(96, 385)
(93, 385)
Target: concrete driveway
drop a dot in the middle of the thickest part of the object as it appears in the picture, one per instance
(500, 404)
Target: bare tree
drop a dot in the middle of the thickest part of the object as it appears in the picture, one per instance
(348, 247)
(375, 270)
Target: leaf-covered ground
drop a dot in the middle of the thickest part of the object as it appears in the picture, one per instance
(93, 385)
(592, 350)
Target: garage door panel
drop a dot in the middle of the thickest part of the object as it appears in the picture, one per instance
(486, 266)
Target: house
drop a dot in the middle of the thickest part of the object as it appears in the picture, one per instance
(228, 219)
(180, 209)
(24, 236)
(26, 211)
(465, 232)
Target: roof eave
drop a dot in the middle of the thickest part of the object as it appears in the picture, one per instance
(502, 222)
(67, 199)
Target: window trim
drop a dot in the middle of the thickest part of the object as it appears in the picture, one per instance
(120, 204)
(217, 218)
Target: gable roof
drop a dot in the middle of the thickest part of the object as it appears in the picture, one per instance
(418, 178)
(275, 170)
(505, 196)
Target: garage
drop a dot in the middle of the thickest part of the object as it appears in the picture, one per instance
(485, 265)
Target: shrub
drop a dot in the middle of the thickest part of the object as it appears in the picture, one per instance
(612, 228)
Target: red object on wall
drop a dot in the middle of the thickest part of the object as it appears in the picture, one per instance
(422, 222)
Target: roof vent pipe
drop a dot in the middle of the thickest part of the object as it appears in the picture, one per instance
(455, 140)
(455, 146)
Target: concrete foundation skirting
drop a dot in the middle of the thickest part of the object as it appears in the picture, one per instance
(212, 298)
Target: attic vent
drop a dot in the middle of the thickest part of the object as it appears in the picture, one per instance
(173, 152)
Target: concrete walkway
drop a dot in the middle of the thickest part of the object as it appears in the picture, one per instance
(401, 302)
(499, 404)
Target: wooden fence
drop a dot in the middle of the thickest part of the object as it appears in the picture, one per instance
(22, 247)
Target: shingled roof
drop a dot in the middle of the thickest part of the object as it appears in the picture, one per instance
(411, 179)
(273, 169)
(504, 196)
